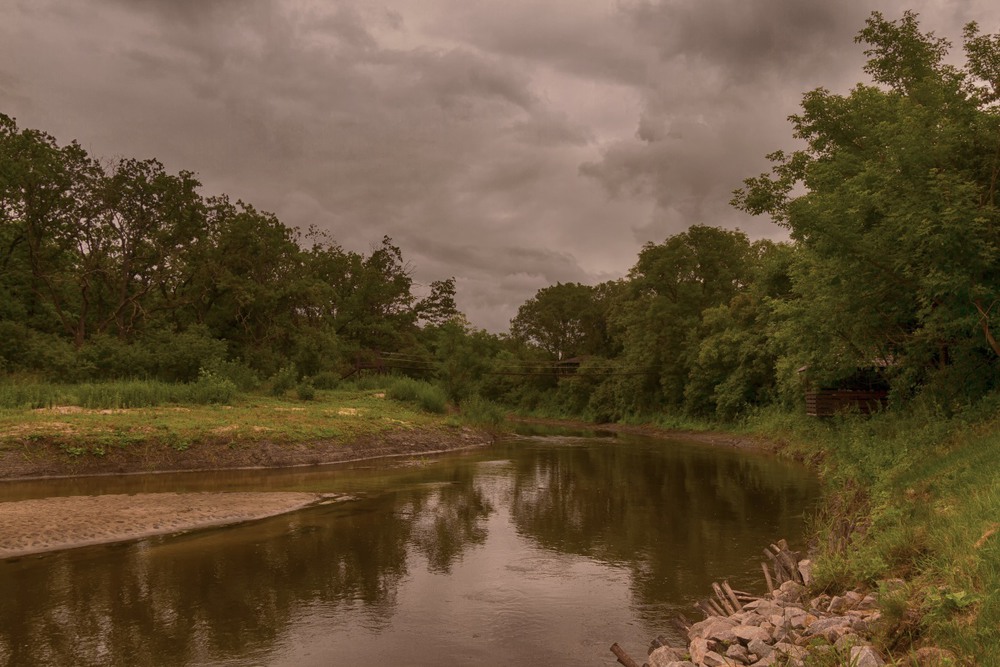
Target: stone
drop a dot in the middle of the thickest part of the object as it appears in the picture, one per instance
(790, 591)
(745, 633)
(931, 656)
(820, 602)
(698, 648)
(760, 648)
(738, 653)
(838, 605)
(806, 570)
(847, 642)
(716, 627)
(681, 663)
(821, 626)
(868, 602)
(865, 656)
(791, 651)
(664, 656)
(713, 659)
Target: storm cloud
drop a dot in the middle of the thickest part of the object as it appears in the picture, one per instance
(511, 145)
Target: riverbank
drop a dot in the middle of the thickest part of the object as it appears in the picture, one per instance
(253, 432)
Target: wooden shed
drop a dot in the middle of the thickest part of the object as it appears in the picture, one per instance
(865, 392)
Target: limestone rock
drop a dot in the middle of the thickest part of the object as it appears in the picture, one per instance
(806, 570)
(713, 659)
(716, 628)
(866, 656)
(738, 653)
(698, 649)
(745, 633)
(760, 648)
(664, 656)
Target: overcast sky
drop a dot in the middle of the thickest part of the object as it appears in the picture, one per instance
(509, 143)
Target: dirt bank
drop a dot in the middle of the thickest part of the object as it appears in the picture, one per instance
(37, 458)
(48, 524)
(740, 441)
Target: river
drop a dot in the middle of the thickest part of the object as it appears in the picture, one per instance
(539, 550)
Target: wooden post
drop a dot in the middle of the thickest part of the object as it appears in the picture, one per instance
(623, 657)
(767, 578)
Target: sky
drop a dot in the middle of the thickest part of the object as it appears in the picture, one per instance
(510, 144)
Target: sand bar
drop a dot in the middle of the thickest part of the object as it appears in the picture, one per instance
(49, 524)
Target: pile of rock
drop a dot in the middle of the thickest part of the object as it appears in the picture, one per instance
(778, 629)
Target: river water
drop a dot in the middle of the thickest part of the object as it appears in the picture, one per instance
(540, 550)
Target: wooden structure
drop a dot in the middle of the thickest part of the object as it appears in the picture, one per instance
(828, 402)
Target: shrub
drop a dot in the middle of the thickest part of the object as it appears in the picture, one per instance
(305, 390)
(211, 388)
(283, 380)
(429, 397)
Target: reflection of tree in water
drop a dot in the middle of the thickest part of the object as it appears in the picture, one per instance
(673, 517)
(450, 520)
(231, 592)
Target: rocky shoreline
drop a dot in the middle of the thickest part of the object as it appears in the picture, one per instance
(785, 627)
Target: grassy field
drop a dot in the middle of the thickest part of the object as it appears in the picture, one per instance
(914, 496)
(90, 422)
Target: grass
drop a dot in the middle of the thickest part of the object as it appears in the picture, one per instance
(914, 495)
(86, 420)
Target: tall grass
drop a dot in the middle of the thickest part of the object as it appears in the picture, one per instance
(913, 493)
(431, 398)
(208, 389)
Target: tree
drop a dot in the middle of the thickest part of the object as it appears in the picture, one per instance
(566, 320)
(897, 226)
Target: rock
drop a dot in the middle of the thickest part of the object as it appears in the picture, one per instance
(717, 628)
(698, 649)
(664, 656)
(681, 663)
(930, 656)
(820, 602)
(847, 642)
(865, 656)
(790, 651)
(790, 591)
(868, 602)
(760, 648)
(823, 625)
(745, 633)
(766, 662)
(838, 605)
(738, 653)
(713, 659)
(806, 570)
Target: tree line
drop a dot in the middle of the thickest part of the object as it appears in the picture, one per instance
(123, 269)
(891, 274)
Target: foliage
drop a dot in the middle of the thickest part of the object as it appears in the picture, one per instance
(428, 396)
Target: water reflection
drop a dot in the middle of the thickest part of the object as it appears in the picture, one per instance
(488, 556)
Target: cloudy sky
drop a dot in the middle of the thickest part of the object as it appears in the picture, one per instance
(509, 143)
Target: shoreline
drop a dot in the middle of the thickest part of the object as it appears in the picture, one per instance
(43, 525)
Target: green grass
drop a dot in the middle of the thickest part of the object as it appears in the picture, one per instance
(430, 397)
(916, 495)
(108, 417)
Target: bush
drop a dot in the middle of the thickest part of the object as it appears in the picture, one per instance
(211, 388)
(483, 412)
(305, 390)
(429, 397)
(326, 380)
(284, 380)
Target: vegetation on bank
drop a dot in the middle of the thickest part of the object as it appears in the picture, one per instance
(913, 495)
(89, 419)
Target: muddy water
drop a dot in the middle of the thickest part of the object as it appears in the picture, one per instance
(540, 550)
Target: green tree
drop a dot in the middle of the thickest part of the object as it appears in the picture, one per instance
(897, 225)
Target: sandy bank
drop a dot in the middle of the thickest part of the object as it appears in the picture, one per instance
(48, 524)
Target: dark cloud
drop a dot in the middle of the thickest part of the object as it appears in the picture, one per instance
(511, 145)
